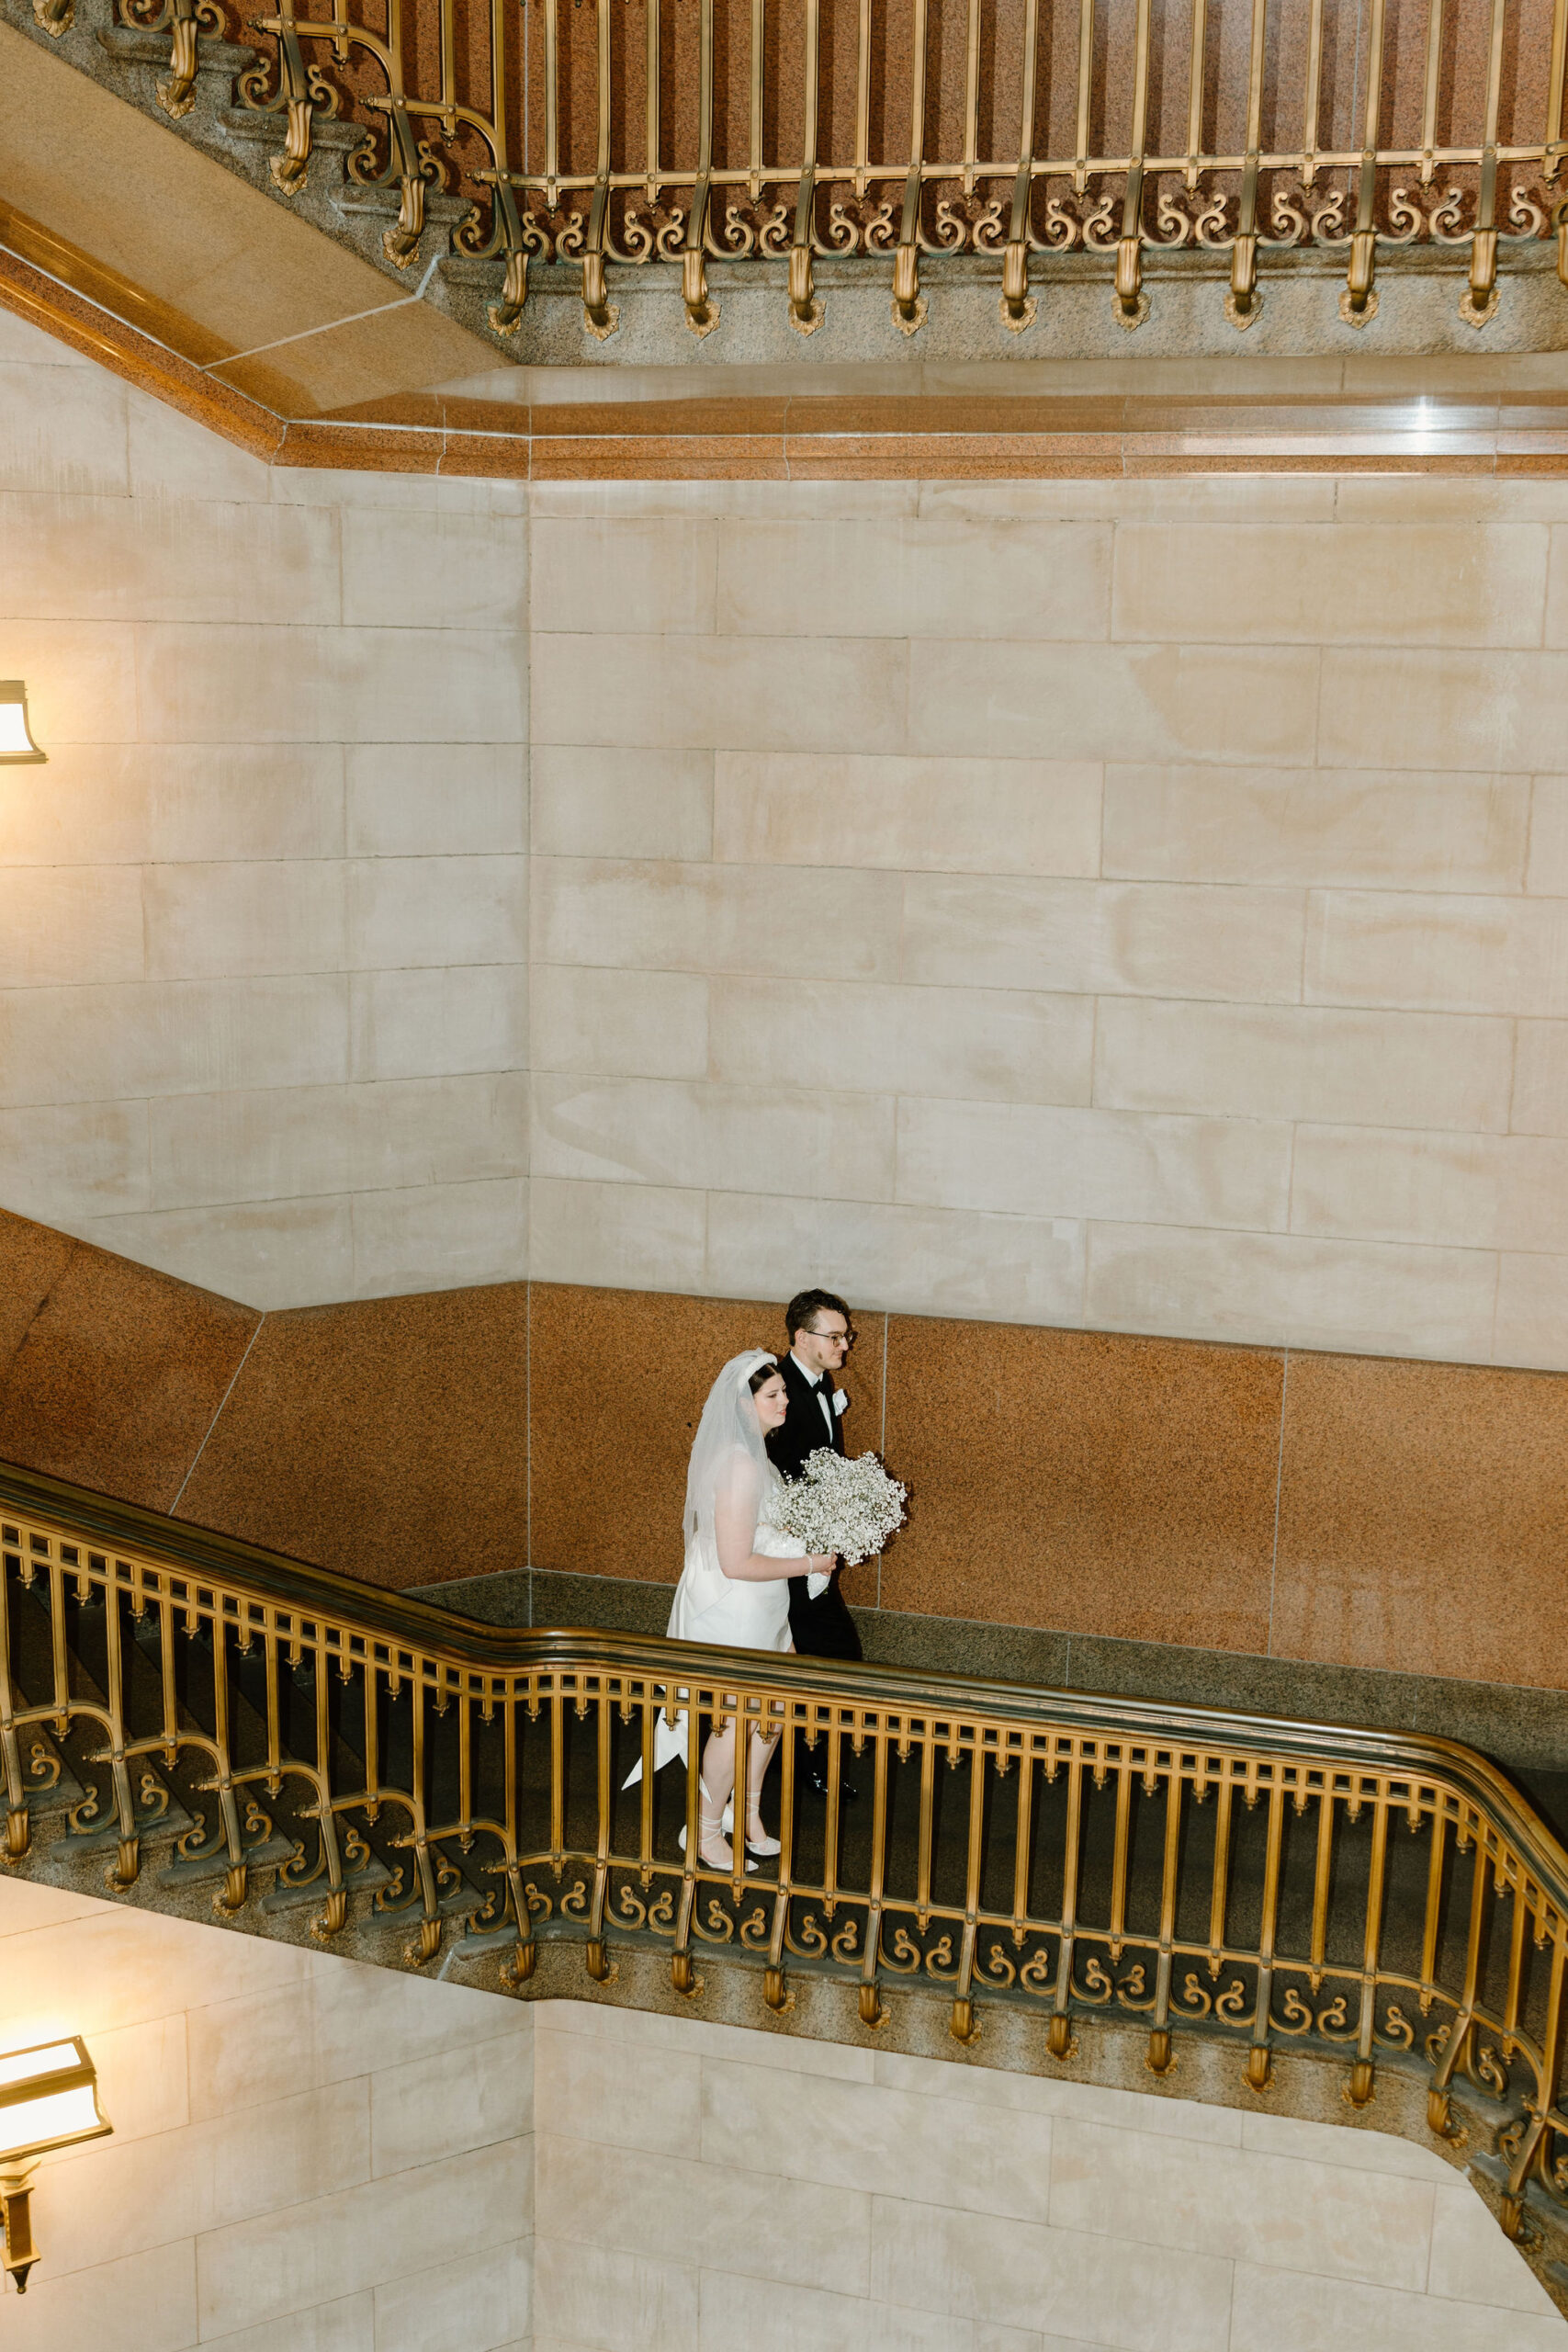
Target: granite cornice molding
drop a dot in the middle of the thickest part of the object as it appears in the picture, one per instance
(137, 359)
(825, 437)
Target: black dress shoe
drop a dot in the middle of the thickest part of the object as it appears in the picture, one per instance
(816, 1782)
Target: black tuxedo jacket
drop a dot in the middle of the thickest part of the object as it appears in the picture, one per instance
(803, 1430)
(823, 1627)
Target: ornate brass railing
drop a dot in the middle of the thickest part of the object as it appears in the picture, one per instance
(690, 132)
(1390, 1902)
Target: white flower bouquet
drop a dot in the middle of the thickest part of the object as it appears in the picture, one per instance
(850, 1506)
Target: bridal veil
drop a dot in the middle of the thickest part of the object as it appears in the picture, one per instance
(728, 1456)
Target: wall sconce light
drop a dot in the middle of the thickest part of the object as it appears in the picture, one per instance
(48, 2100)
(16, 737)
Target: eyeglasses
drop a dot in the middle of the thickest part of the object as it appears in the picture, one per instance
(849, 1337)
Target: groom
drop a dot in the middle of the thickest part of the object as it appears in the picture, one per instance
(821, 1337)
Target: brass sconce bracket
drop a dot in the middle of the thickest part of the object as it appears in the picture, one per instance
(16, 2215)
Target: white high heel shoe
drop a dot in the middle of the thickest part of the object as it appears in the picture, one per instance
(724, 1830)
(765, 1845)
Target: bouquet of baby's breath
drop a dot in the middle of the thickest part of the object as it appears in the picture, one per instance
(843, 1506)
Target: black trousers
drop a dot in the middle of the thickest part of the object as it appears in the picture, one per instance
(823, 1627)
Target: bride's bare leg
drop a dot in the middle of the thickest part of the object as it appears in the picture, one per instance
(759, 1756)
(718, 1782)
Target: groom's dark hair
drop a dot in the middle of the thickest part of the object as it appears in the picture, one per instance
(808, 1303)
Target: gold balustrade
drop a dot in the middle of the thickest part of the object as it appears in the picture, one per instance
(1386, 1902)
(700, 132)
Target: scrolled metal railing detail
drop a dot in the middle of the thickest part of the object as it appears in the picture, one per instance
(185, 22)
(1381, 1902)
(632, 132)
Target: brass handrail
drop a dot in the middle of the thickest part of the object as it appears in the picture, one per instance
(593, 135)
(1387, 1899)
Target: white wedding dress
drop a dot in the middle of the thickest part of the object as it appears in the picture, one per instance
(729, 1462)
(736, 1612)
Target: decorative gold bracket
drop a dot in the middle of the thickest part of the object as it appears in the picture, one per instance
(178, 94)
(506, 316)
(1478, 303)
(1243, 301)
(1359, 303)
(702, 308)
(908, 302)
(600, 317)
(1018, 306)
(805, 313)
(1132, 302)
(288, 169)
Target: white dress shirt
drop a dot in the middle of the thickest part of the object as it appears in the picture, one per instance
(822, 1397)
(817, 1585)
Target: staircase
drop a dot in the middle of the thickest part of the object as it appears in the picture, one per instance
(1365, 1929)
(589, 184)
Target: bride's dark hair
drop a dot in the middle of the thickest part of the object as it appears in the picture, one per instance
(761, 1377)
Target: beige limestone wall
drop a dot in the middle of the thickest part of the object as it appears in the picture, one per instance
(1141, 905)
(1133, 905)
(707, 2186)
(309, 2155)
(263, 920)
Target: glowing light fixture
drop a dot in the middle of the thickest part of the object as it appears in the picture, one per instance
(48, 2100)
(16, 738)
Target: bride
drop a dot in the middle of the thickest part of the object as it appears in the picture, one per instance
(734, 1588)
